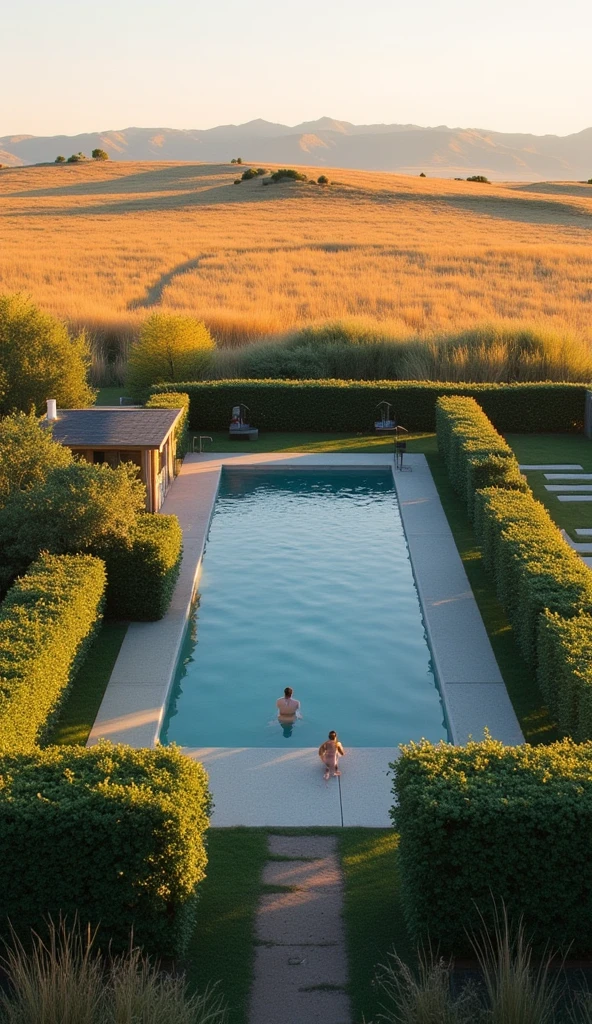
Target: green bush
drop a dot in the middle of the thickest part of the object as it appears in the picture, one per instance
(39, 360)
(110, 834)
(170, 348)
(565, 671)
(479, 177)
(288, 174)
(60, 160)
(322, 179)
(487, 820)
(475, 454)
(47, 621)
(248, 174)
(99, 154)
(326, 405)
(142, 573)
(27, 454)
(174, 400)
(534, 568)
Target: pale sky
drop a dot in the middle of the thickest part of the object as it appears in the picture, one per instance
(70, 66)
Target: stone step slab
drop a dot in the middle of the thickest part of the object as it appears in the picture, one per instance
(549, 465)
(583, 488)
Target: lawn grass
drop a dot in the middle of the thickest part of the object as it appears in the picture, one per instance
(222, 949)
(538, 449)
(303, 442)
(82, 703)
(110, 396)
(373, 910)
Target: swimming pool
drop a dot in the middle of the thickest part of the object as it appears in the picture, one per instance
(306, 583)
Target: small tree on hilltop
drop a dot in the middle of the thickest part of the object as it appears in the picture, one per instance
(479, 177)
(170, 349)
(60, 160)
(39, 359)
(99, 154)
(28, 454)
(239, 159)
(76, 158)
(322, 179)
(422, 175)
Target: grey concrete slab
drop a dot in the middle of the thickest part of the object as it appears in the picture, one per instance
(574, 497)
(583, 549)
(587, 561)
(323, 873)
(300, 917)
(263, 786)
(291, 971)
(319, 847)
(582, 488)
(550, 465)
(568, 476)
(586, 532)
(478, 706)
(366, 785)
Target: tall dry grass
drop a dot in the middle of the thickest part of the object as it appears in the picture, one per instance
(104, 245)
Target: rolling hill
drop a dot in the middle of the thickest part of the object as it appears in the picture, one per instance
(406, 149)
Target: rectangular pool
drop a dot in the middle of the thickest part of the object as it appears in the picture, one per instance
(306, 583)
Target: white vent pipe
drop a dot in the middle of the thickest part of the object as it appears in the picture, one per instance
(52, 412)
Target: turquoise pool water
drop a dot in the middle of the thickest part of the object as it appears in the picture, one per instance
(306, 583)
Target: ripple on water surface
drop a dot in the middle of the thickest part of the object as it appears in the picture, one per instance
(306, 583)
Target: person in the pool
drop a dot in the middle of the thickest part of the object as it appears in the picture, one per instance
(329, 752)
(288, 708)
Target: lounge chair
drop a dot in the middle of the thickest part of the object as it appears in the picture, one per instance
(239, 428)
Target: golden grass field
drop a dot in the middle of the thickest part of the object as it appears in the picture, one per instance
(104, 244)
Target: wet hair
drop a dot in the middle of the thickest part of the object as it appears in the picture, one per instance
(332, 735)
(288, 691)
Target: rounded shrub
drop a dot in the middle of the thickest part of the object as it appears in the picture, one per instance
(170, 348)
(322, 179)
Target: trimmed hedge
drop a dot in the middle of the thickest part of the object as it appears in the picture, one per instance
(174, 400)
(111, 834)
(142, 576)
(533, 567)
(329, 405)
(565, 671)
(475, 454)
(47, 621)
(485, 821)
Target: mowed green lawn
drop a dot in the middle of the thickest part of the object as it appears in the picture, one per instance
(543, 449)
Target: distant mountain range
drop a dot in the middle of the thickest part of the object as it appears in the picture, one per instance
(406, 148)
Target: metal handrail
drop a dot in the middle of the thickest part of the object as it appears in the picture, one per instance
(202, 438)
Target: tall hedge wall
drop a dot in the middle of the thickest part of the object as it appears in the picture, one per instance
(487, 820)
(47, 620)
(475, 454)
(351, 405)
(532, 565)
(142, 575)
(111, 834)
(174, 400)
(565, 671)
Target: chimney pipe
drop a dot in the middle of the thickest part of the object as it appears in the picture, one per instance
(52, 412)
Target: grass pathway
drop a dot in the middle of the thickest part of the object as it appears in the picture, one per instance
(300, 971)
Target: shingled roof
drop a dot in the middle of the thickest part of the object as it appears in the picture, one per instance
(114, 428)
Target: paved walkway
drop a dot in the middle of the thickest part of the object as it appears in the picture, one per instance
(249, 785)
(300, 971)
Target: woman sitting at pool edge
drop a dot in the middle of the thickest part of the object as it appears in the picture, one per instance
(329, 752)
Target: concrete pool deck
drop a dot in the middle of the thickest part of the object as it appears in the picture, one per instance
(267, 786)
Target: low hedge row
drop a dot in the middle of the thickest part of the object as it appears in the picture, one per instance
(335, 405)
(111, 834)
(47, 620)
(533, 567)
(565, 671)
(485, 821)
(174, 400)
(142, 575)
(475, 454)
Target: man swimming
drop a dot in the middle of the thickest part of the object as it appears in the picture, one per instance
(288, 707)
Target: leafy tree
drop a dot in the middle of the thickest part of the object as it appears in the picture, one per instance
(322, 179)
(99, 154)
(261, 171)
(422, 175)
(60, 159)
(233, 161)
(239, 159)
(39, 359)
(76, 158)
(288, 174)
(479, 177)
(79, 508)
(27, 454)
(170, 349)
(248, 174)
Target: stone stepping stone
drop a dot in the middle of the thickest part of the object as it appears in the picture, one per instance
(588, 562)
(551, 465)
(568, 487)
(300, 972)
(574, 497)
(582, 549)
(584, 533)
(568, 476)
